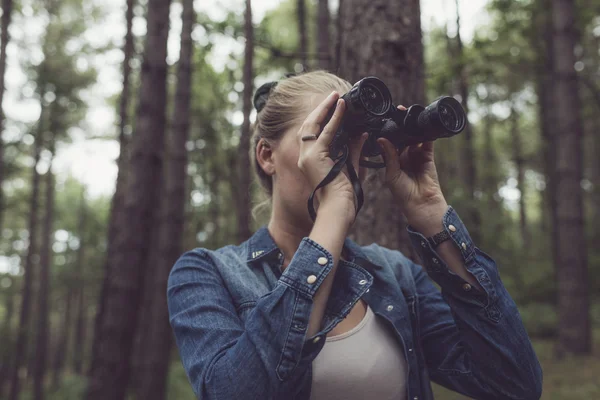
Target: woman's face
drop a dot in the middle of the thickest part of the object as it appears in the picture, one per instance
(291, 190)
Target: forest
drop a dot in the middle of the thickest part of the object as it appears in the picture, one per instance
(125, 137)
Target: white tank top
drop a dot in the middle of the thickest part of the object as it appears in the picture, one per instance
(365, 363)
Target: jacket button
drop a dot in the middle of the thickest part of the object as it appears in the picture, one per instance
(322, 261)
(466, 287)
(311, 279)
(452, 228)
(390, 307)
(464, 245)
(315, 340)
(362, 281)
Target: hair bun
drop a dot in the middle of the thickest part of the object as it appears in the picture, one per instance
(262, 95)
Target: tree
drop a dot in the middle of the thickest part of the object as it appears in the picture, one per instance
(323, 39)
(115, 326)
(117, 214)
(80, 289)
(41, 350)
(156, 340)
(4, 38)
(383, 39)
(574, 330)
(301, 10)
(244, 149)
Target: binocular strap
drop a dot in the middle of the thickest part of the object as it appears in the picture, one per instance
(337, 168)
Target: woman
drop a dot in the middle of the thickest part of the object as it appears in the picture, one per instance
(299, 311)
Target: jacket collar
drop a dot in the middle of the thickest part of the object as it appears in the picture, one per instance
(262, 245)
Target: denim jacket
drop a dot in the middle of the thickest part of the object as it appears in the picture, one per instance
(240, 324)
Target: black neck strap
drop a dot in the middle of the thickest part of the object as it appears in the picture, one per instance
(337, 168)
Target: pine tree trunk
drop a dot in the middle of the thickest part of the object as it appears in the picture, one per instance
(383, 38)
(117, 213)
(62, 346)
(574, 334)
(156, 342)
(301, 13)
(4, 38)
(323, 38)
(7, 351)
(21, 351)
(42, 334)
(79, 345)
(519, 161)
(469, 172)
(244, 198)
(339, 38)
(115, 329)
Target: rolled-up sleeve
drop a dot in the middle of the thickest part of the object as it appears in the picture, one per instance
(474, 341)
(226, 358)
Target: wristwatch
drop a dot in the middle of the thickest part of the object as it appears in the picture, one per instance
(438, 238)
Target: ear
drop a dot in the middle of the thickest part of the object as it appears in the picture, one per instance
(264, 157)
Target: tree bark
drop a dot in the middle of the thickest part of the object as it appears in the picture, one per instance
(469, 172)
(338, 36)
(4, 38)
(244, 198)
(117, 213)
(42, 334)
(301, 13)
(574, 335)
(323, 38)
(79, 344)
(157, 340)
(110, 371)
(383, 39)
(7, 351)
(519, 161)
(62, 346)
(30, 263)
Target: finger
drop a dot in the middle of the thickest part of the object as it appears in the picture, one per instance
(401, 107)
(317, 116)
(332, 126)
(390, 155)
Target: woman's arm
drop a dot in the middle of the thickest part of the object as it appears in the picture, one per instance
(474, 341)
(225, 358)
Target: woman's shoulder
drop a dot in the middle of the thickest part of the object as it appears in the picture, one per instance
(390, 261)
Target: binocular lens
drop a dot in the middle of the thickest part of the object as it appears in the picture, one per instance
(445, 113)
(374, 96)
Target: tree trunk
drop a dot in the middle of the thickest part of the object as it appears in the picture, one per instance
(323, 38)
(383, 38)
(117, 213)
(42, 334)
(157, 340)
(62, 346)
(4, 38)
(79, 345)
(244, 198)
(338, 36)
(469, 172)
(7, 351)
(115, 328)
(519, 161)
(31, 261)
(301, 10)
(574, 334)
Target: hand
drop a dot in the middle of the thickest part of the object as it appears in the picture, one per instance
(412, 177)
(314, 160)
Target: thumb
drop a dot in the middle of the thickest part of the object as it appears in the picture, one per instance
(390, 155)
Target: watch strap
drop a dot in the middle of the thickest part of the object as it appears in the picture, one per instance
(438, 238)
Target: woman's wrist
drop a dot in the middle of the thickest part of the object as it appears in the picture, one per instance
(428, 219)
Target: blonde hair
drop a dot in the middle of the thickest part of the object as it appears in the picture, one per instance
(285, 107)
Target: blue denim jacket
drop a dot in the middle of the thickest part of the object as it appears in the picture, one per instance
(240, 324)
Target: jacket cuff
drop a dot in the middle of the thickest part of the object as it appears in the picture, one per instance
(308, 268)
(475, 261)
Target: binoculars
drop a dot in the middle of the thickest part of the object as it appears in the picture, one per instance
(369, 109)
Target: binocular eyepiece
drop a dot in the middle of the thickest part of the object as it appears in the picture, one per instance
(369, 109)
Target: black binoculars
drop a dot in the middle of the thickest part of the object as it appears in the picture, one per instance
(369, 109)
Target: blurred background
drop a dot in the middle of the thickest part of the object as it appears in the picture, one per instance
(125, 136)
